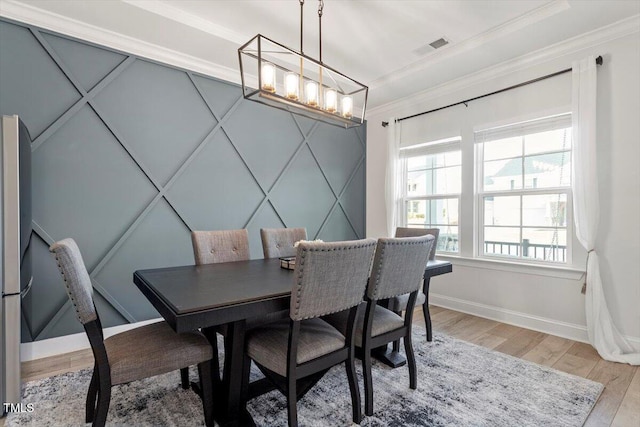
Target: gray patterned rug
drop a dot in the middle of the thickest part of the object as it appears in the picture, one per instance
(459, 384)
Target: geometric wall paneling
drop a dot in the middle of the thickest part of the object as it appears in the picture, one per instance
(88, 64)
(159, 113)
(304, 192)
(47, 294)
(337, 227)
(86, 186)
(160, 239)
(132, 155)
(220, 96)
(216, 182)
(338, 153)
(353, 200)
(268, 143)
(43, 93)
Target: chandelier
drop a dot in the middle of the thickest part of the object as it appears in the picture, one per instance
(280, 77)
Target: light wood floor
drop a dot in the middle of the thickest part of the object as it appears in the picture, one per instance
(619, 404)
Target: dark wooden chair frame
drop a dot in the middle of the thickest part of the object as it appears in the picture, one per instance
(370, 343)
(301, 378)
(99, 394)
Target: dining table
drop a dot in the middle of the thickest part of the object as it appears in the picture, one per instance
(211, 296)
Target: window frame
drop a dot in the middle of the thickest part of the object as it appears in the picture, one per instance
(480, 194)
(442, 146)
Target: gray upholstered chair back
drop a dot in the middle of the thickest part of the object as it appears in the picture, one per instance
(414, 232)
(278, 242)
(76, 279)
(330, 277)
(212, 247)
(398, 266)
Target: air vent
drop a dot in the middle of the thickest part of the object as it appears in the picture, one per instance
(439, 43)
(436, 44)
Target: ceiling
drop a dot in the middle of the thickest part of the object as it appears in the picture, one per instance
(383, 44)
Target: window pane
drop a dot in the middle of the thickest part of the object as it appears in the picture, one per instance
(417, 183)
(502, 210)
(452, 158)
(447, 180)
(503, 175)
(545, 244)
(548, 170)
(555, 140)
(503, 148)
(444, 211)
(448, 239)
(417, 213)
(414, 163)
(545, 210)
(502, 241)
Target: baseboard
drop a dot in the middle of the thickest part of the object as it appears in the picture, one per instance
(571, 331)
(68, 343)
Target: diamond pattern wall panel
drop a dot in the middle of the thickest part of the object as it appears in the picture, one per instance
(41, 92)
(130, 156)
(159, 113)
(89, 64)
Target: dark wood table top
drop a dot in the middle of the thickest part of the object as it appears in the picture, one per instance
(191, 297)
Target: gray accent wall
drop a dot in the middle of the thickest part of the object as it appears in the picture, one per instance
(130, 156)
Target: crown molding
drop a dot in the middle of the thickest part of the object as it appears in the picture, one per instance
(31, 15)
(590, 39)
(189, 19)
(536, 15)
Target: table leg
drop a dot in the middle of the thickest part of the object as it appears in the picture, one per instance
(425, 308)
(235, 413)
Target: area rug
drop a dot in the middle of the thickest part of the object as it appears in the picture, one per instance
(459, 384)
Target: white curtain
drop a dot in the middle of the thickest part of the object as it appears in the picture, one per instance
(395, 188)
(603, 334)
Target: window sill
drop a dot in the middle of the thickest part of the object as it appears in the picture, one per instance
(561, 272)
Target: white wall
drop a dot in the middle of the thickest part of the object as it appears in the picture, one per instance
(540, 299)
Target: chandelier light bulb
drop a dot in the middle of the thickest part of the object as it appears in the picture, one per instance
(268, 77)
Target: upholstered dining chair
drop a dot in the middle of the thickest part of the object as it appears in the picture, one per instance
(397, 267)
(212, 247)
(294, 354)
(278, 242)
(139, 353)
(399, 303)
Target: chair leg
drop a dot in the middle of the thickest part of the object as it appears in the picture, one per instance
(427, 321)
(184, 377)
(368, 383)
(396, 343)
(104, 398)
(292, 400)
(206, 385)
(354, 389)
(411, 361)
(91, 396)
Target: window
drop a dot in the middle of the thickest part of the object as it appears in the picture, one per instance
(433, 185)
(524, 190)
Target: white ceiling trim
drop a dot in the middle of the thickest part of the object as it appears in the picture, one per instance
(61, 24)
(597, 37)
(178, 15)
(536, 15)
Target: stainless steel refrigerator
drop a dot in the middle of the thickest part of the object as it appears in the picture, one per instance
(15, 230)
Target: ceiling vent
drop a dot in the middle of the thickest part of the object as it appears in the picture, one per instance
(436, 44)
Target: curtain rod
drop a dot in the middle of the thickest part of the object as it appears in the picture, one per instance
(528, 82)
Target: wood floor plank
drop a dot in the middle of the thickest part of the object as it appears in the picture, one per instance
(549, 351)
(488, 340)
(586, 351)
(616, 377)
(505, 331)
(629, 411)
(574, 365)
(521, 343)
